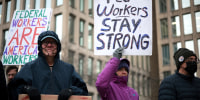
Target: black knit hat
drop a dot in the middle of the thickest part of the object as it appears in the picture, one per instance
(45, 35)
(124, 63)
(181, 55)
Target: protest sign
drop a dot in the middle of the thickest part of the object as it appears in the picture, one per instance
(123, 23)
(55, 97)
(21, 41)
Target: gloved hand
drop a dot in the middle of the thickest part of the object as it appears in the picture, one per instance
(65, 94)
(118, 52)
(33, 93)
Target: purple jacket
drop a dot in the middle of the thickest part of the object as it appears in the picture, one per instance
(112, 87)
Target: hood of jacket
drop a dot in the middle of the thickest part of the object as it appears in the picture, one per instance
(124, 79)
(48, 34)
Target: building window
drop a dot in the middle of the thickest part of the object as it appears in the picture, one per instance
(133, 79)
(81, 65)
(71, 57)
(6, 32)
(176, 46)
(164, 28)
(166, 73)
(59, 2)
(185, 3)
(58, 28)
(37, 4)
(132, 61)
(143, 85)
(82, 2)
(47, 3)
(71, 28)
(163, 6)
(174, 5)
(17, 5)
(8, 11)
(0, 12)
(196, 2)
(148, 62)
(148, 87)
(90, 64)
(98, 97)
(198, 41)
(81, 33)
(72, 3)
(90, 70)
(90, 37)
(189, 44)
(90, 8)
(99, 64)
(142, 60)
(175, 26)
(137, 61)
(187, 23)
(91, 94)
(27, 4)
(138, 84)
(197, 17)
(165, 54)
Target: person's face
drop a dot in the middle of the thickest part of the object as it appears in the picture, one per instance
(11, 74)
(191, 58)
(49, 47)
(122, 72)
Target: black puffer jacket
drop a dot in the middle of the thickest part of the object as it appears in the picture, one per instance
(180, 87)
(38, 74)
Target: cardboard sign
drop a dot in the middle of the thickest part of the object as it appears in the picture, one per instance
(21, 40)
(55, 97)
(123, 23)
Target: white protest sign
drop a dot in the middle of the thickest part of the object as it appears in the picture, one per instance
(123, 23)
(21, 41)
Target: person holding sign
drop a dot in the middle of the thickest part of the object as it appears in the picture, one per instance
(48, 74)
(183, 85)
(112, 81)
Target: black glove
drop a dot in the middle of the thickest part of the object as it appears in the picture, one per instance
(65, 94)
(118, 52)
(33, 93)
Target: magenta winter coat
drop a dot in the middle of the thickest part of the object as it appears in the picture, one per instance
(112, 87)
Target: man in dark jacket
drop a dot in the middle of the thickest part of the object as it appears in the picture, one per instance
(182, 85)
(48, 74)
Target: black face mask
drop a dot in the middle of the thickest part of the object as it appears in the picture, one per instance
(191, 67)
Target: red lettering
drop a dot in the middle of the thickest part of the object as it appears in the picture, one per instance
(24, 35)
(16, 38)
(34, 35)
(38, 22)
(20, 48)
(10, 51)
(19, 24)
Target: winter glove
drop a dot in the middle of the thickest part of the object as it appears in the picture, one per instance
(33, 93)
(118, 52)
(65, 94)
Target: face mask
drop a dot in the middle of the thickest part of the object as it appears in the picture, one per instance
(191, 67)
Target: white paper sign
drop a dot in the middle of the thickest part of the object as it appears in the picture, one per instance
(21, 41)
(123, 23)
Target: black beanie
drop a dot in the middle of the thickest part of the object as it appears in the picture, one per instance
(181, 55)
(124, 63)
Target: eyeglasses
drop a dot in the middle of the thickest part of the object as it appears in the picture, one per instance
(53, 43)
(192, 59)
